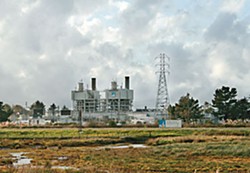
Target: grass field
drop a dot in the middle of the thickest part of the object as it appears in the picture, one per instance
(167, 150)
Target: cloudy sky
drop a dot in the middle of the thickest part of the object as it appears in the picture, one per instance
(47, 47)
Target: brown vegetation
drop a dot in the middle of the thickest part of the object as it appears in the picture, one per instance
(168, 150)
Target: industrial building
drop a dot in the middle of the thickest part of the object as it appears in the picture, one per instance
(113, 100)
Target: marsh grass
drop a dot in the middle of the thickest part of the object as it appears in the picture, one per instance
(88, 133)
(169, 150)
(194, 139)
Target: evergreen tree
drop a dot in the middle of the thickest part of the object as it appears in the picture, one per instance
(241, 110)
(52, 108)
(65, 111)
(188, 109)
(38, 109)
(224, 102)
(5, 112)
(171, 112)
(207, 108)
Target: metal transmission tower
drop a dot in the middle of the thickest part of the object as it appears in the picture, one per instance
(162, 99)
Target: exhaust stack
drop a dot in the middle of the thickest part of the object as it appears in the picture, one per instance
(93, 83)
(127, 82)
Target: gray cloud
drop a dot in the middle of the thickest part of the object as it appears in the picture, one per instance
(223, 28)
(47, 47)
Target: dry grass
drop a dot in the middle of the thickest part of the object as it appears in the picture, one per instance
(194, 139)
(182, 150)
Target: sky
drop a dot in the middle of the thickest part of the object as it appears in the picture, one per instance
(47, 47)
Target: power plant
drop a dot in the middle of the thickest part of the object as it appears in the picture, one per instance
(113, 100)
(113, 105)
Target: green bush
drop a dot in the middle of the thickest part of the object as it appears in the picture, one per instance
(112, 124)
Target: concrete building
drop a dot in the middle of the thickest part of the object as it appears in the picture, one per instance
(86, 100)
(118, 99)
(113, 100)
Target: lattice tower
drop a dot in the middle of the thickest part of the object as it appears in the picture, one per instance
(162, 99)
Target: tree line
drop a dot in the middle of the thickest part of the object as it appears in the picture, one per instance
(37, 109)
(224, 106)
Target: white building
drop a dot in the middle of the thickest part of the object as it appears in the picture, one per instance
(115, 100)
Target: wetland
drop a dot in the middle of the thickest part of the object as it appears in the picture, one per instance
(125, 150)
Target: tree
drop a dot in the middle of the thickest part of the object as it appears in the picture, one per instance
(1, 106)
(65, 111)
(241, 110)
(188, 109)
(224, 102)
(38, 109)
(171, 111)
(207, 108)
(5, 112)
(65, 108)
(52, 108)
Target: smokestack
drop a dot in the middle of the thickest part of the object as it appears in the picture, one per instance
(80, 86)
(93, 84)
(127, 82)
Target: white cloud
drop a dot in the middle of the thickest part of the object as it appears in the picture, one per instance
(219, 70)
(28, 7)
(22, 74)
(121, 5)
(2, 23)
(232, 6)
(248, 29)
(112, 35)
(85, 24)
(191, 45)
(52, 45)
(43, 57)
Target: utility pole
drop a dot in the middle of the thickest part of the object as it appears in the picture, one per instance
(79, 108)
(162, 99)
